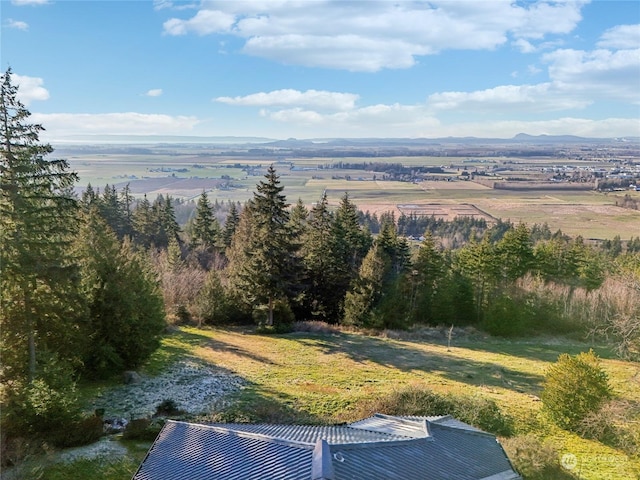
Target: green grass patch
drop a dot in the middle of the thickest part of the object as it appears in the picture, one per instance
(307, 377)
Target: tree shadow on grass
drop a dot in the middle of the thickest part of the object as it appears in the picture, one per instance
(543, 352)
(181, 344)
(257, 404)
(360, 348)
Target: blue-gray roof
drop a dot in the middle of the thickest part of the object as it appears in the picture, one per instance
(380, 447)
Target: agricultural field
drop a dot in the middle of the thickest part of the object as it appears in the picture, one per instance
(184, 173)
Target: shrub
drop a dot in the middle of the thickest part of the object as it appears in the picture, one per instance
(46, 404)
(574, 387)
(167, 408)
(615, 423)
(480, 412)
(535, 459)
(80, 432)
(142, 429)
(283, 317)
(507, 316)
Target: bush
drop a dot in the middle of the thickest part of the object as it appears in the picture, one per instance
(167, 408)
(615, 423)
(283, 317)
(574, 387)
(480, 412)
(80, 432)
(46, 404)
(507, 316)
(535, 459)
(142, 429)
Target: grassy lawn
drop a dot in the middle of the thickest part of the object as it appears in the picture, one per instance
(306, 377)
(329, 377)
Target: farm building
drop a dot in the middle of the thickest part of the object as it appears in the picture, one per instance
(378, 447)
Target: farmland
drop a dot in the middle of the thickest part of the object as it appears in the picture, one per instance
(559, 190)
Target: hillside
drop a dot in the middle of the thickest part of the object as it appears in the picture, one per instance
(333, 376)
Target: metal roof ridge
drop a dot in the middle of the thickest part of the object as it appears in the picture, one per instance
(480, 433)
(244, 434)
(380, 443)
(321, 463)
(422, 424)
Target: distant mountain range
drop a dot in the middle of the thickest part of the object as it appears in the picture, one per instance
(521, 138)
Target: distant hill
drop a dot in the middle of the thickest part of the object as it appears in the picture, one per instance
(519, 139)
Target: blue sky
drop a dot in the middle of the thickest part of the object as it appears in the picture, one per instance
(319, 69)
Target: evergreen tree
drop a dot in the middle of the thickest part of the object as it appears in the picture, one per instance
(515, 251)
(111, 209)
(426, 277)
(479, 262)
(230, 225)
(39, 295)
(261, 251)
(367, 289)
(349, 244)
(324, 298)
(143, 223)
(126, 312)
(164, 222)
(205, 229)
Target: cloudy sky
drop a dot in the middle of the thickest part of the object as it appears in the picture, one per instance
(318, 69)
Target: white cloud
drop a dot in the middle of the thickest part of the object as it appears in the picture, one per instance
(380, 120)
(21, 3)
(30, 88)
(128, 123)
(596, 74)
(17, 24)
(543, 97)
(524, 46)
(621, 37)
(372, 35)
(288, 97)
(154, 92)
(204, 22)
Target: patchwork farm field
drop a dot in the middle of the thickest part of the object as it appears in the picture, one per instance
(185, 174)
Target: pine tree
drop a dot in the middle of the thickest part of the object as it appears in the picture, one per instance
(427, 274)
(479, 262)
(324, 297)
(205, 229)
(230, 225)
(349, 244)
(367, 290)
(261, 251)
(143, 223)
(126, 312)
(515, 251)
(39, 289)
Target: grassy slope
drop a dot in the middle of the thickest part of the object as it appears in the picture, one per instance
(318, 378)
(323, 377)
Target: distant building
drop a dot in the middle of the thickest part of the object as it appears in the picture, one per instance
(381, 447)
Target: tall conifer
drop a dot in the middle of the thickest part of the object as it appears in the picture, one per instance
(37, 222)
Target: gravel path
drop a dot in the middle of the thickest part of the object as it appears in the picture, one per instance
(194, 387)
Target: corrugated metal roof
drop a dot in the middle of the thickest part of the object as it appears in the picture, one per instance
(429, 448)
(416, 427)
(446, 420)
(311, 433)
(185, 451)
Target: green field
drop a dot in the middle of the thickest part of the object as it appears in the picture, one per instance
(185, 174)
